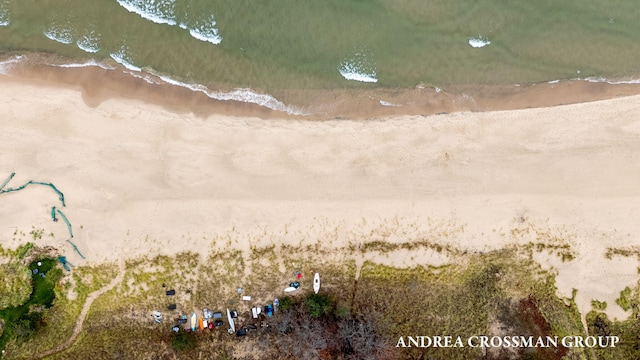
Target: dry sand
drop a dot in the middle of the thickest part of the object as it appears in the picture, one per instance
(141, 179)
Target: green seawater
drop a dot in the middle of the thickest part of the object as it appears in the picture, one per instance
(303, 44)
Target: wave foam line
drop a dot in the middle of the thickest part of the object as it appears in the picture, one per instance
(63, 36)
(205, 32)
(146, 10)
(4, 15)
(610, 82)
(351, 71)
(6, 65)
(89, 42)
(119, 57)
(88, 63)
(241, 95)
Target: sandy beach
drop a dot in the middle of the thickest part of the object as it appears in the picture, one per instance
(140, 178)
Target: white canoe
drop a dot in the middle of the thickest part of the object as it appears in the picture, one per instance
(316, 283)
(290, 289)
(232, 325)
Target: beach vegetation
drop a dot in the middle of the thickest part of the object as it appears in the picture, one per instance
(61, 317)
(22, 250)
(319, 305)
(183, 341)
(36, 234)
(498, 290)
(285, 303)
(625, 300)
(599, 305)
(15, 287)
(22, 321)
(628, 331)
(624, 252)
(360, 312)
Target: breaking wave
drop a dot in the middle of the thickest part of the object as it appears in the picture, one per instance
(204, 30)
(89, 41)
(479, 42)
(5, 19)
(359, 67)
(157, 11)
(62, 33)
(122, 57)
(163, 12)
(241, 95)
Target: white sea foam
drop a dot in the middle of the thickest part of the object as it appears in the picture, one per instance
(123, 59)
(89, 41)
(6, 65)
(358, 67)
(611, 82)
(386, 103)
(554, 81)
(241, 95)
(5, 20)
(204, 30)
(88, 63)
(158, 11)
(61, 33)
(479, 42)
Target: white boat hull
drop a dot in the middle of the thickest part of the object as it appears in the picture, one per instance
(316, 283)
(232, 325)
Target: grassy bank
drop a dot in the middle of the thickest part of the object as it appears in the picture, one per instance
(497, 293)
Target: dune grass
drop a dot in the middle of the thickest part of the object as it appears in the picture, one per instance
(500, 292)
(61, 317)
(479, 295)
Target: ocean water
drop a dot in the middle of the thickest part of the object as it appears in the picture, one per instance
(227, 46)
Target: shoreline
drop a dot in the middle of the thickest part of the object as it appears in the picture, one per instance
(101, 83)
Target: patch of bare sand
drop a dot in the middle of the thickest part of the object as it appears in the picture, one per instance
(141, 180)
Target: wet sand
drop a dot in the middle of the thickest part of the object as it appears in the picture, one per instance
(99, 84)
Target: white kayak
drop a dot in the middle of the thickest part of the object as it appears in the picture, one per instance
(232, 325)
(290, 289)
(316, 283)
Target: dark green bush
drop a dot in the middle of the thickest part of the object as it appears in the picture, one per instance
(183, 341)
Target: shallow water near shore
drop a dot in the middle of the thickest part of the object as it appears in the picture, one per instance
(288, 45)
(336, 43)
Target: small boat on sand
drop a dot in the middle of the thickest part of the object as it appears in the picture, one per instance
(194, 319)
(232, 325)
(290, 289)
(201, 324)
(316, 283)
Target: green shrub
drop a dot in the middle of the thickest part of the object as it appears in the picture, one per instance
(183, 341)
(319, 304)
(599, 305)
(22, 321)
(285, 303)
(15, 286)
(625, 299)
